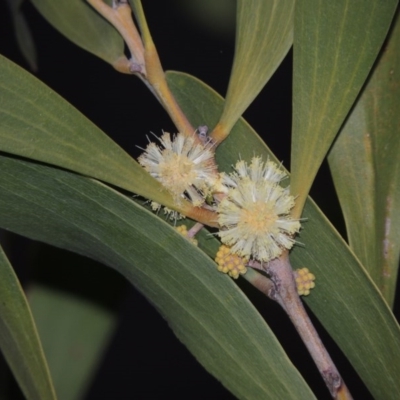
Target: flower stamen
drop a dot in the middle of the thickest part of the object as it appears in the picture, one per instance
(185, 167)
(254, 215)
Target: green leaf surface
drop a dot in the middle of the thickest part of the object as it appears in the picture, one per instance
(82, 25)
(335, 46)
(37, 123)
(264, 35)
(19, 341)
(23, 33)
(365, 166)
(206, 310)
(345, 300)
(74, 333)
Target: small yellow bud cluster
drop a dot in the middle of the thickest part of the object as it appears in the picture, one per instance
(304, 281)
(229, 263)
(182, 229)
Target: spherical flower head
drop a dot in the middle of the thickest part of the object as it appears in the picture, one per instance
(254, 215)
(304, 281)
(229, 263)
(182, 165)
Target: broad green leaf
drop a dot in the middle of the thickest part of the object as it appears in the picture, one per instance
(335, 46)
(206, 309)
(264, 35)
(74, 333)
(37, 123)
(365, 165)
(23, 33)
(19, 341)
(82, 25)
(345, 300)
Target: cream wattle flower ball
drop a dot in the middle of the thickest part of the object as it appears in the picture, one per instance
(183, 165)
(254, 215)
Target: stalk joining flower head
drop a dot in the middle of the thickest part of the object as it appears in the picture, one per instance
(182, 229)
(182, 165)
(254, 215)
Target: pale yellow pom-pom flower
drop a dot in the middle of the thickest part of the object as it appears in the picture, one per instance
(254, 215)
(182, 165)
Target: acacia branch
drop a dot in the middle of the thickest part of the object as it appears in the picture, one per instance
(281, 287)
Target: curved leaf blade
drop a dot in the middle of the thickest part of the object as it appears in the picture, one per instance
(365, 167)
(38, 124)
(351, 162)
(23, 33)
(19, 340)
(335, 46)
(82, 25)
(264, 36)
(206, 310)
(73, 340)
(345, 300)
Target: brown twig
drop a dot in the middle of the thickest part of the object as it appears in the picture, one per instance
(195, 229)
(144, 61)
(120, 16)
(200, 214)
(284, 292)
(261, 282)
(156, 76)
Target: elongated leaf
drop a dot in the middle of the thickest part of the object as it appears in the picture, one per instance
(73, 339)
(23, 33)
(264, 36)
(19, 341)
(345, 300)
(83, 26)
(37, 123)
(206, 310)
(335, 46)
(365, 166)
(352, 164)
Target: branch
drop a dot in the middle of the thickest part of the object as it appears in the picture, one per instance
(281, 287)
(120, 16)
(144, 61)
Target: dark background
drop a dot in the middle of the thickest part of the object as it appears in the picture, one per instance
(145, 360)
